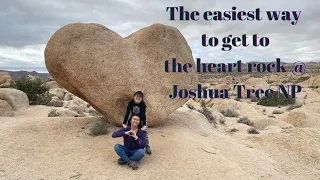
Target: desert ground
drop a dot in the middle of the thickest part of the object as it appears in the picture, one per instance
(187, 146)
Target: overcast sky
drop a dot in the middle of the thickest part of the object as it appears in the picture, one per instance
(27, 25)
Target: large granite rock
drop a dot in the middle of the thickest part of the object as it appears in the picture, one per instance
(253, 83)
(5, 109)
(5, 80)
(104, 69)
(4, 76)
(15, 98)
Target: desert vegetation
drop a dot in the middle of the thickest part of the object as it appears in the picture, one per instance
(34, 88)
(99, 128)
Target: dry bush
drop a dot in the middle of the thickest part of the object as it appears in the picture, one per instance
(99, 128)
(253, 131)
(190, 106)
(230, 112)
(245, 120)
(207, 113)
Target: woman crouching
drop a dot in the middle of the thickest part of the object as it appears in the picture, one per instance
(134, 143)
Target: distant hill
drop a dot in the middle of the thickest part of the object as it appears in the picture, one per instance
(15, 75)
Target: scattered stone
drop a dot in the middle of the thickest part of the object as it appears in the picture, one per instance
(52, 85)
(67, 113)
(78, 109)
(67, 97)
(55, 103)
(58, 92)
(277, 111)
(271, 116)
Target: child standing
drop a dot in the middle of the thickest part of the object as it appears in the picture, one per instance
(137, 107)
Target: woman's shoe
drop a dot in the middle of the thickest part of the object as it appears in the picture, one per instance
(133, 164)
(121, 161)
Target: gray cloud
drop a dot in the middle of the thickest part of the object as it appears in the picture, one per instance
(27, 26)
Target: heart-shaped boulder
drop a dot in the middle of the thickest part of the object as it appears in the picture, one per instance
(104, 69)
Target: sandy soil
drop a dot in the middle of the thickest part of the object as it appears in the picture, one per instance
(34, 146)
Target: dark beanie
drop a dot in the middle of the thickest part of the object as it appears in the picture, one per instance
(138, 93)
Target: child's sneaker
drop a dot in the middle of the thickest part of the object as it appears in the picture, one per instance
(148, 149)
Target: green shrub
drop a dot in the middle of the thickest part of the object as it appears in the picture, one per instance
(99, 128)
(36, 92)
(276, 101)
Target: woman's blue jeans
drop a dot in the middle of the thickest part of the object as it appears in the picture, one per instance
(129, 154)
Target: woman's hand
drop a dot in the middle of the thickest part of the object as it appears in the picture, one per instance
(124, 126)
(128, 133)
(144, 129)
(131, 133)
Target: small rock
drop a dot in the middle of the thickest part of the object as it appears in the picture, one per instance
(271, 116)
(67, 113)
(67, 97)
(52, 85)
(57, 92)
(55, 103)
(277, 111)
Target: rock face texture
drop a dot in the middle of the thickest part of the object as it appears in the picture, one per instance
(105, 69)
(4, 76)
(15, 98)
(5, 80)
(314, 81)
(52, 84)
(5, 109)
